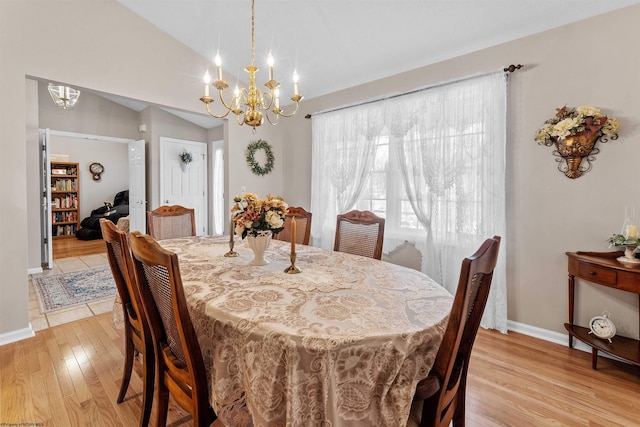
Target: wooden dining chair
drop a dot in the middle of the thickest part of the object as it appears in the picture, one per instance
(303, 226)
(179, 365)
(359, 233)
(442, 393)
(169, 222)
(136, 328)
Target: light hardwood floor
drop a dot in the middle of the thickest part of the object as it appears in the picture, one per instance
(69, 375)
(72, 247)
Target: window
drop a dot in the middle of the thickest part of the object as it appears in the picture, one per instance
(384, 193)
(431, 163)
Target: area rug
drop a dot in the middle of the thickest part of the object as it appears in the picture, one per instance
(70, 289)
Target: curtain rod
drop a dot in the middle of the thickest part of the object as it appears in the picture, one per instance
(510, 69)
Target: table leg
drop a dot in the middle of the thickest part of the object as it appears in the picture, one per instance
(572, 286)
(594, 358)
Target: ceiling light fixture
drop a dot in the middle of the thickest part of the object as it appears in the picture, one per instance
(65, 97)
(258, 104)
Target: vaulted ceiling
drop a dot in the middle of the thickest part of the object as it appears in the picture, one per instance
(336, 44)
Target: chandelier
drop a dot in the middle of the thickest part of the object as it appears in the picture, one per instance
(251, 105)
(65, 97)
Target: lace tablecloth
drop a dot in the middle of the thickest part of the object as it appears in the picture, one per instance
(343, 343)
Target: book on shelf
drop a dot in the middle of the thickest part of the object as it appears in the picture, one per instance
(63, 230)
(68, 202)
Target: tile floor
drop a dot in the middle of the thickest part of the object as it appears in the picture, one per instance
(41, 320)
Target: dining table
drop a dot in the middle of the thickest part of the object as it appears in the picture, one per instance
(342, 343)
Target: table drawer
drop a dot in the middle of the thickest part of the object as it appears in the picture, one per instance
(628, 281)
(594, 273)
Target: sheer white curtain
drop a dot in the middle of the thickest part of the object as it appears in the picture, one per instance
(343, 152)
(452, 159)
(448, 143)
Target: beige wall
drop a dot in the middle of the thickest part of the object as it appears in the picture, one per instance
(32, 171)
(591, 62)
(92, 115)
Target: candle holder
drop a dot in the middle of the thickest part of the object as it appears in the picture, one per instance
(292, 269)
(231, 252)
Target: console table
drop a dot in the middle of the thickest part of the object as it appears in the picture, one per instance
(602, 268)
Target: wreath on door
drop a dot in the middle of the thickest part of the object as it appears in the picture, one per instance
(256, 168)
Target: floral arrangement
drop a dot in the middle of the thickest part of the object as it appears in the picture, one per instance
(185, 157)
(576, 121)
(620, 240)
(252, 215)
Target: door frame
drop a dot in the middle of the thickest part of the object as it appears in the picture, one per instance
(46, 244)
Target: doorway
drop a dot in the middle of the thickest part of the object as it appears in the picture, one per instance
(114, 155)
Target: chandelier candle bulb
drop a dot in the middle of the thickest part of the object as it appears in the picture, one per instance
(295, 83)
(277, 94)
(236, 95)
(218, 62)
(293, 235)
(207, 81)
(270, 63)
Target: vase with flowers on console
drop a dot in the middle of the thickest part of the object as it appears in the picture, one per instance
(628, 238)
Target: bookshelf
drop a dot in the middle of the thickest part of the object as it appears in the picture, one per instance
(65, 200)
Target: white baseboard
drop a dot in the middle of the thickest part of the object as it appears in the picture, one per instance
(551, 336)
(34, 270)
(13, 336)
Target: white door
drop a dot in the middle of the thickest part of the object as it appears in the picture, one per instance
(46, 249)
(185, 185)
(137, 187)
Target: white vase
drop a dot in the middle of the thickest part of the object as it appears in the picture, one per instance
(629, 252)
(184, 166)
(259, 244)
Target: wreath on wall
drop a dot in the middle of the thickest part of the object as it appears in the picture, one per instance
(256, 168)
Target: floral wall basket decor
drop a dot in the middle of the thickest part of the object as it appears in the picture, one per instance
(185, 158)
(574, 133)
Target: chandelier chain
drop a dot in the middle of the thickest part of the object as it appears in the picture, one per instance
(253, 30)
